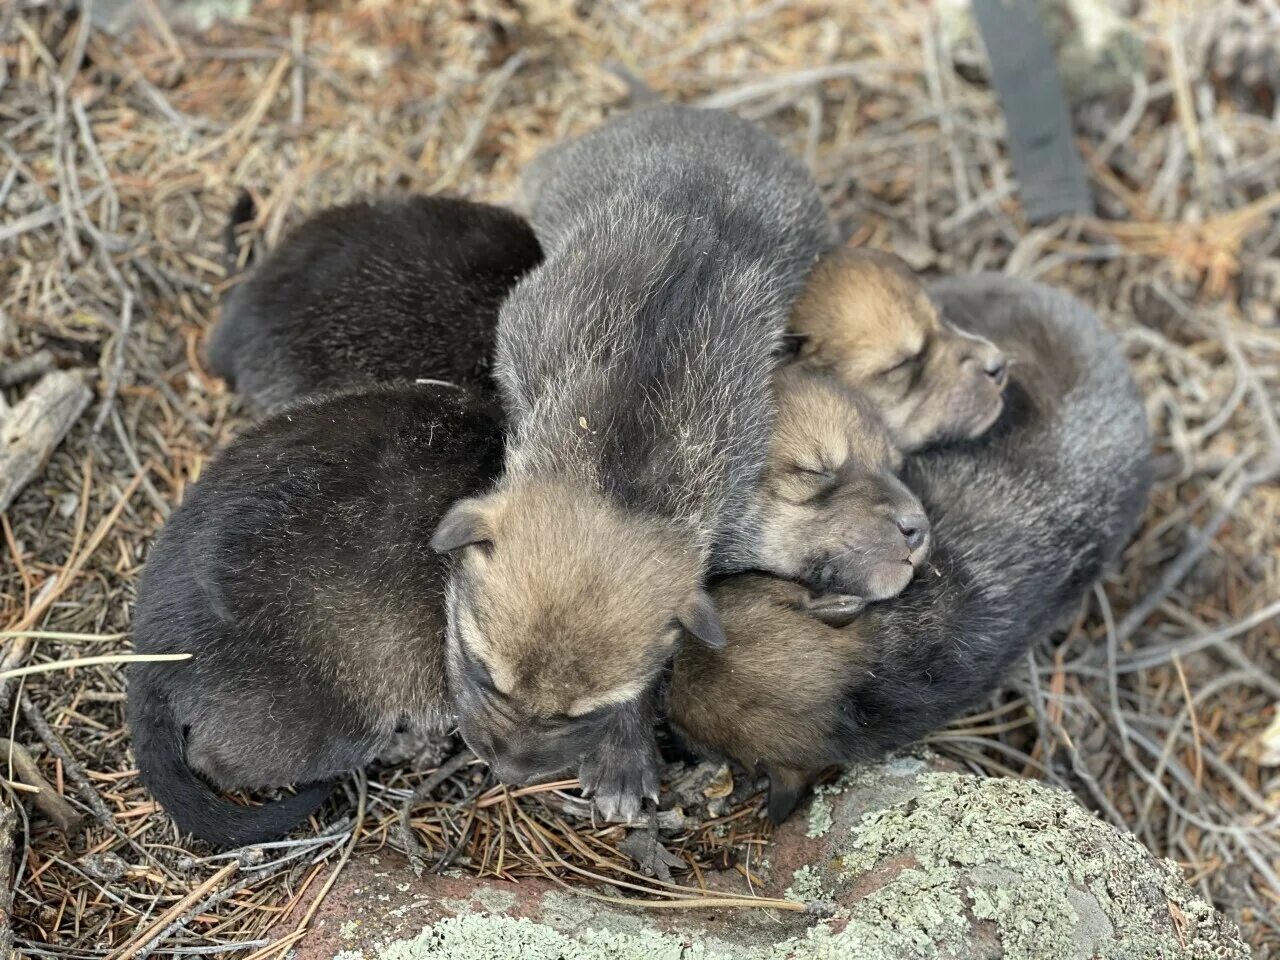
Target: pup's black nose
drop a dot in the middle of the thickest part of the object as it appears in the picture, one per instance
(997, 368)
(915, 528)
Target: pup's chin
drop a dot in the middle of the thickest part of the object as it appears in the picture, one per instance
(989, 420)
(888, 579)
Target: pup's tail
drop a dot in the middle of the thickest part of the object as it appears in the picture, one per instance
(243, 212)
(160, 750)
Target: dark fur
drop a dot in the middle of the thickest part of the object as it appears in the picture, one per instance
(634, 366)
(1024, 520)
(373, 292)
(299, 572)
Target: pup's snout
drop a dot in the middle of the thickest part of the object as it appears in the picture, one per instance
(914, 528)
(997, 368)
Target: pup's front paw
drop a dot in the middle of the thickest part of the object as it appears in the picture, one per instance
(620, 784)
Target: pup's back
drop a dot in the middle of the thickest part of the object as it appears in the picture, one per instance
(373, 292)
(1024, 520)
(634, 367)
(676, 240)
(698, 164)
(299, 572)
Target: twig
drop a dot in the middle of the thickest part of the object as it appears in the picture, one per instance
(47, 799)
(71, 767)
(8, 821)
(1154, 656)
(1173, 575)
(475, 129)
(34, 428)
(177, 910)
(117, 366)
(413, 849)
(190, 913)
(27, 368)
(106, 658)
(737, 96)
(298, 82)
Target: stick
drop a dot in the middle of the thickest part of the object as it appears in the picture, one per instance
(175, 911)
(117, 366)
(47, 799)
(106, 658)
(28, 368)
(412, 848)
(8, 823)
(737, 96)
(71, 767)
(34, 428)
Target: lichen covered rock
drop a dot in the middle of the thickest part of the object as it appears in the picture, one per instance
(922, 863)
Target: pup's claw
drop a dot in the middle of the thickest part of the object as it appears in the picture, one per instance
(619, 789)
(836, 609)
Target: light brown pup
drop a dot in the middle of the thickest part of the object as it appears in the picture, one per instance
(866, 319)
(538, 676)
(832, 512)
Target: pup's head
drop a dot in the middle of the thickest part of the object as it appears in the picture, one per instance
(773, 695)
(563, 608)
(865, 318)
(834, 513)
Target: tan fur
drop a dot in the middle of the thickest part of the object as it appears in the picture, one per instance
(575, 603)
(749, 701)
(864, 315)
(830, 503)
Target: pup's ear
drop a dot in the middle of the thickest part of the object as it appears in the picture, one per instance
(703, 622)
(465, 525)
(835, 609)
(789, 346)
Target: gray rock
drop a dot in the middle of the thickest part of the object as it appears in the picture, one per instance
(920, 862)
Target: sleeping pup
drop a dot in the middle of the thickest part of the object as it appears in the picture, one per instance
(1025, 519)
(634, 366)
(865, 319)
(300, 574)
(392, 290)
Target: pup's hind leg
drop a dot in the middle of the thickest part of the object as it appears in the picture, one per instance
(261, 744)
(786, 788)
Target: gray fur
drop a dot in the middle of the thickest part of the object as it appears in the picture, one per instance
(1025, 519)
(677, 240)
(635, 367)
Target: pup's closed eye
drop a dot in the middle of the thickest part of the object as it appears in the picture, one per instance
(819, 472)
(478, 672)
(905, 365)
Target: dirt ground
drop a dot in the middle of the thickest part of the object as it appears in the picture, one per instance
(120, 157)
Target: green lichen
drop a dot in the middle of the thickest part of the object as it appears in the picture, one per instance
(477, 937)
(943, 866)
(348, 929)
(1030, 860)
(819, 817)
(806, 885)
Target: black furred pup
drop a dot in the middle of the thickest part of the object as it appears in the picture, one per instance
(1024, 518)
(299, 572)
(373, 292)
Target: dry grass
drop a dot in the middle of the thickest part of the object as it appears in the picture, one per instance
(120, 159)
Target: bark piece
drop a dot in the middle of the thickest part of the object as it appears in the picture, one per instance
(33, 428)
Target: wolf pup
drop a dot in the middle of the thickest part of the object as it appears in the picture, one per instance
(299, 572)
(634, 366)
(866, 319)
(830, 510)
(373, 292)
(1024, 520)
